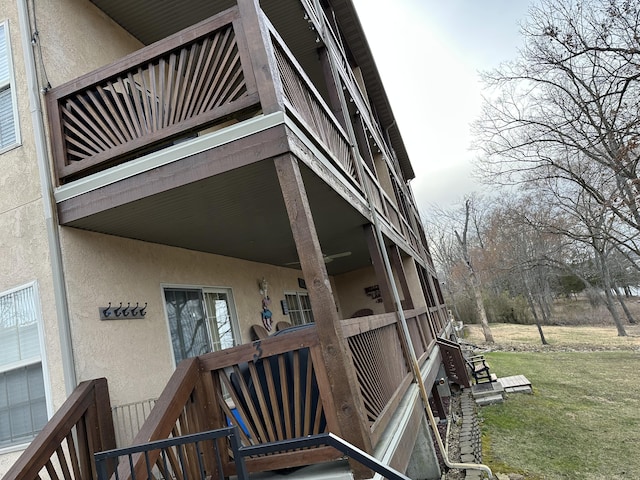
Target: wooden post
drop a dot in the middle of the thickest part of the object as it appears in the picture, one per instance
(343, 384)
(262, 56)
(378, 266)
(335, 102)
(396, 261)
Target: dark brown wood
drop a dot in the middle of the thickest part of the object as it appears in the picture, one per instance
(104, 417)
(196, 167)
(262, 57)
(454, 363)
(437, 402)
(72, 413)
(332, 88)
(398, 266)
(378, 428)
(354, 326)
(343, 387)
(292, 459)
(363, 143)
(167, 410)
(378, 267)
(143, 106)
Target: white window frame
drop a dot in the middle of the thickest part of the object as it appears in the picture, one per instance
(32, 361)
(11, 85)
(235, 326)
(300, 309)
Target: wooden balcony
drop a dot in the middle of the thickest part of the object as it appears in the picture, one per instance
(274, 389)
(185, 83)
(209, 100)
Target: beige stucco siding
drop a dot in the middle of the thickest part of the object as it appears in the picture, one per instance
(75, 38)
(136, 355)
(351, 292)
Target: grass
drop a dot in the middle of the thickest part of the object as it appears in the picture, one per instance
(583, 337)
(581, 422)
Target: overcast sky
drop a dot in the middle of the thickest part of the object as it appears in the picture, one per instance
(429, 53)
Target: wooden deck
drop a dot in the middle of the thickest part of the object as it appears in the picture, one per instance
(515, 383)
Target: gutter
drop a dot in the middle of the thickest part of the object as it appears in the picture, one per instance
(46, 188)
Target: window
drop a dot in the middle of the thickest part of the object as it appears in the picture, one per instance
(299, 308)
(201, 320)
(23, 406)
(8, 114)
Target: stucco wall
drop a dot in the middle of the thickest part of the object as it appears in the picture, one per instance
(350, 290)
(76, 38)
(136, 355)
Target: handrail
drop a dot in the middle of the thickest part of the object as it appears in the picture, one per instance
(331, 440)
(175, 460)
(84, 422)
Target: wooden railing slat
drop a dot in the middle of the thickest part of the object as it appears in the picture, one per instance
(71, 415)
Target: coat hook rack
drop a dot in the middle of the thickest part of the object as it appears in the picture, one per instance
(123, 313)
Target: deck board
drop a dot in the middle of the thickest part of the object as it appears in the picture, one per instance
(514, 382)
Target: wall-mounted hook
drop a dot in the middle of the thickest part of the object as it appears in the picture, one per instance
(123, 313)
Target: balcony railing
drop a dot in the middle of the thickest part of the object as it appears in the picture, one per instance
(304, 101)
(187, 81)
(273, 390)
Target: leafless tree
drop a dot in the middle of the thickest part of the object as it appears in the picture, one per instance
(463, 241)
(567, 108)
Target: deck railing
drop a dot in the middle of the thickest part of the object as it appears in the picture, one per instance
(306, 104)
(274, 389)
(189, 82)
(183, 83)
(382, 365)
(65, 446)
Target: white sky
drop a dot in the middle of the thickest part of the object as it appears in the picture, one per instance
(428, 53)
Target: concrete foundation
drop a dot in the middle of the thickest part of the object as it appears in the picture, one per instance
(423, 463)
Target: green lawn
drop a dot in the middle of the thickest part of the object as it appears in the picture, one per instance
(582, 422)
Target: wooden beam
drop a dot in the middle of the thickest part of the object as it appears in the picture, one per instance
(343, 383)
(398, 266)
(378, 267)
(238, 153)
(332, 88)
(263, 58)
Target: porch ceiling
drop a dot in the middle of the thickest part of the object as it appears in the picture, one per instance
(239, 214)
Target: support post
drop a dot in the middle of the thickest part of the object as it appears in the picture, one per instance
(378, 267)
(396, 261)
(342, 378)
(262, 56)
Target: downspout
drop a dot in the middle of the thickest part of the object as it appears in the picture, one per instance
(417, 374)
(46, 188)
(402, 321)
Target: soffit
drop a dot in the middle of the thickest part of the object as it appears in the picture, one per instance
(239, 214)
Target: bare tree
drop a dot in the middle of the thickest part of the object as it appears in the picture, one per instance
(567, 107)
(473, 277)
